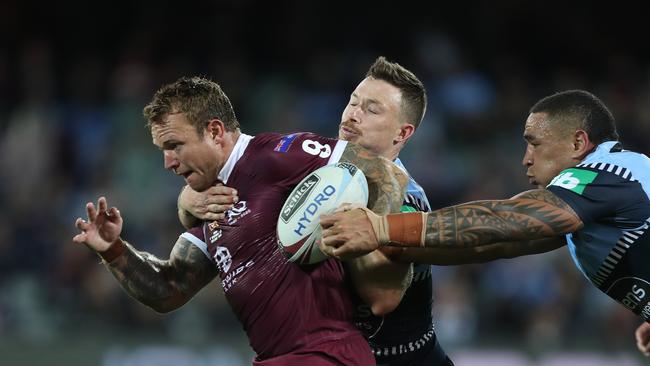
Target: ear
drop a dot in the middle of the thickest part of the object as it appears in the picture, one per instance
(405, 132)
(215, 130)
(582, 145)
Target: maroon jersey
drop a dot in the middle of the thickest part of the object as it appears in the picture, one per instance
(285, 309)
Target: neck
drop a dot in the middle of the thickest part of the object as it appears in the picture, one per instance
(229, 141)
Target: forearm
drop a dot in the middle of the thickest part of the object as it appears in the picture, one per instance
(473, 255)
(146, 278)
(187, 220)
(534, 215)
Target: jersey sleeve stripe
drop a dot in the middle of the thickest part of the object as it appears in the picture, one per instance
(337, 152)
(198, 242)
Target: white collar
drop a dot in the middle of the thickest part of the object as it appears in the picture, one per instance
(237, 152)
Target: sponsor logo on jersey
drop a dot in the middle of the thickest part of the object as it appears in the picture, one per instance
(216, 235)
(230, 280)
(633, 293)
(238, 211)
(298, 197)
(407, 208)
(312, 207)
(575, 180)
(285, 143)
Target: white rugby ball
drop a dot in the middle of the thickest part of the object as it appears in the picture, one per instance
(322, 191)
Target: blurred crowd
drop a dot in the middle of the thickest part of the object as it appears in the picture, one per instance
(71, 130)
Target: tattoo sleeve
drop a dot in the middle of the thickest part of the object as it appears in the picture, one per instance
(530, 215)
(386, 182)
(163, 285)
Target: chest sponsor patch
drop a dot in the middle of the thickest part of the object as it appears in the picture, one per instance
(574, 179)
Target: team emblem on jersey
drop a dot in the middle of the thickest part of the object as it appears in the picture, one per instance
(238, 211)
(223, 258)
(575, 180)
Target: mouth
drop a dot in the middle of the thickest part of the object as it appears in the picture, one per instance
(349, 131)
(531, 180)
(185, 175)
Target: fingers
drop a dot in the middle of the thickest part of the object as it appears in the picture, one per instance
(102, 205)
(91, 212)
(81, 224)
(327, 250)
(114, 214)
(80, 238)
(211, 216)
(642, 336)
(347, 207)
(327, 220)
(221, 194)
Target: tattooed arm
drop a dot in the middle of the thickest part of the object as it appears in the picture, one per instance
(528, 216)
(164, 285)
(533, 214)
(386, 182)
(472, 255)
(379, 281)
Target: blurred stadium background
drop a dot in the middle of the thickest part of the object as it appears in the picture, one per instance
(75, 76)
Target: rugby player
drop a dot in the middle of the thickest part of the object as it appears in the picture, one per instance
(292, 315)
(382, 114)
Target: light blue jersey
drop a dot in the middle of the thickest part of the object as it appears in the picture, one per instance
(610, 191)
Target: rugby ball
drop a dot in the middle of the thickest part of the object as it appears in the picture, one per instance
(322, 191)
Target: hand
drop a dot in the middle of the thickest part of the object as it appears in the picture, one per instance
(347, 234)
(209, 205)
(102, 228)
(642, 335)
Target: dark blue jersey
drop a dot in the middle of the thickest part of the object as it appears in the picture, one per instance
(609, 190)
(406, 335)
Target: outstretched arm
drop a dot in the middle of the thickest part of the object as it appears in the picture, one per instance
(472, 255)
(163, 285)
(528, 216)
(380, 282)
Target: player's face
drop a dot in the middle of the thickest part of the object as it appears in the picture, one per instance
(548, 150)
(372, 117)
(197, 158)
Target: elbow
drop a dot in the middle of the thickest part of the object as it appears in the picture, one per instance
(386, 305)
(165, 306)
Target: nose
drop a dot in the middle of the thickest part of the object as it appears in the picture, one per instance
(354, 114)
(528, 157)
(171, 162)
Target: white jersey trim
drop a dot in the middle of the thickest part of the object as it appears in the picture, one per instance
(237, 152)
(337, 152)
(197, 242)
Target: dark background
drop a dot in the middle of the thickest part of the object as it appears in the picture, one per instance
(75, 76)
